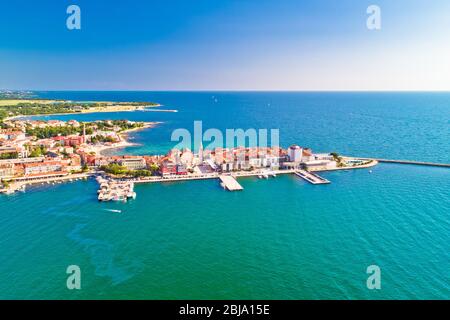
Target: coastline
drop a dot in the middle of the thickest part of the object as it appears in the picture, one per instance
(105, 109)
(124, 143)
(118, 108)
(100, 150)
(372, 163)
(174, 178)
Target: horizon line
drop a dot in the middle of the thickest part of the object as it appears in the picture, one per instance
(227, 90)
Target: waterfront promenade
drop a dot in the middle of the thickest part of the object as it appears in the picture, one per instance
(313, 178)
(228, 180)
(20, 183)
(213, 175)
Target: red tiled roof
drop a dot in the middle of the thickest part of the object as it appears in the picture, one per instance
(44, 163)
(46, 174)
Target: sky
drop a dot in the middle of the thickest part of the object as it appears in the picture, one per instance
(320, 45)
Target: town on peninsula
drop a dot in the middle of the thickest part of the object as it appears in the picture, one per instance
(54, 151)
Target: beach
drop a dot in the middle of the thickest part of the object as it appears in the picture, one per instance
(122, 107)
(124, 143)
(119, 108)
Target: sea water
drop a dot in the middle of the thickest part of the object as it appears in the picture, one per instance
(279, 238)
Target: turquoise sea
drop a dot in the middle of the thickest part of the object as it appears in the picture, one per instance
(280, 238)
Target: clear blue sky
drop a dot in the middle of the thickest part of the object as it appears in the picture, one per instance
(225, 45)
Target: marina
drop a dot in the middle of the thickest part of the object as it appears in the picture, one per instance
(114, 190)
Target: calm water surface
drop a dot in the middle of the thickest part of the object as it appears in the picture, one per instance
(280, 238)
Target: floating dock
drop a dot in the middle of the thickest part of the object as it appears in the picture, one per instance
(312, 178)
(230, 183)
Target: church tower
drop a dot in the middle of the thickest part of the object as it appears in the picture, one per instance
(200, 152)
(84, 132)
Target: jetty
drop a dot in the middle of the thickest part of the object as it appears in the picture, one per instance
(417, 163)
(311, 177)
(230, 183)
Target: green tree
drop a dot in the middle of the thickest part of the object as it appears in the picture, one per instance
(154, 167)
(38, 152)
(5, 183)
(114, 168)
(140, 173)
(10, 155)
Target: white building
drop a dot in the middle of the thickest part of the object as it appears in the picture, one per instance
(295, 153)
(315, 165)
(137, 163)
(227, 166)
(255, 162)
(271, 161)
(187, 157)
(42, 167)
(6, 170)
(323, 156)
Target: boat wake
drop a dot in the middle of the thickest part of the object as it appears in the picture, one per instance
(113, 210)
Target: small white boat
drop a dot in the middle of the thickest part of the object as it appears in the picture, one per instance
(114, 210)
(260, 176)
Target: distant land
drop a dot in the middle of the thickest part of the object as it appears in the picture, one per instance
(24, 103)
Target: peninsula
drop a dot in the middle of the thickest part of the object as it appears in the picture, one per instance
(38, 152)
(53, 151)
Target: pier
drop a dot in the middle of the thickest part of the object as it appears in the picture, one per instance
(417, 163)
(230, 183)
(311, 177)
